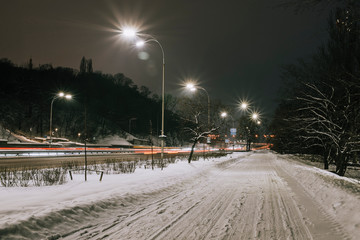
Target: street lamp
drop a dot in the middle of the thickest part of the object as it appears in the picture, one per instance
(233, 130)
(225, 114)
(254, 116)
(193, 88)
(129, 32)
(132, 33)
(244, 105)
(59, 95)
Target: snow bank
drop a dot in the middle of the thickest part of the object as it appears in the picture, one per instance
(37, 212)
(25, 210)
(338, 196)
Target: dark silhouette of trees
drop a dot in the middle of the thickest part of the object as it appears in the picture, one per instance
(321, 113)
(110, 101)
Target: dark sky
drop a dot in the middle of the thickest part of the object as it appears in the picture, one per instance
(234, 48)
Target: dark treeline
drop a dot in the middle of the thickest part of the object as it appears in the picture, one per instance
(320, 110)
(102, 104)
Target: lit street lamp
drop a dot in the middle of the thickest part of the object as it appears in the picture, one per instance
(254, 116)
(243, 105)
(225, 114)
(193, 88)
(59, 95)
(233, 130)
(132, 33)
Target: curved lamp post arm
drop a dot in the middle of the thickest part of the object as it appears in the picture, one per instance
(149, 38)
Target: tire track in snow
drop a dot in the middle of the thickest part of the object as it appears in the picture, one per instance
(198, 188)
(158, 233)
(108, 227)
(320, 223)
(200, 221)
(144, 210)
(241, 198)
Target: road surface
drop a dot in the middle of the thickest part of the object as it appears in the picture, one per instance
(245, 197)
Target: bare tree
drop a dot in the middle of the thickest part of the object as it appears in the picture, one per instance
(329, 120)
(194, 116)
(198, 133)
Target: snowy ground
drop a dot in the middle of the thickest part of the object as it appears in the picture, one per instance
(258, 195)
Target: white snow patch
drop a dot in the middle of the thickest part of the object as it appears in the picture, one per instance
(26, 211)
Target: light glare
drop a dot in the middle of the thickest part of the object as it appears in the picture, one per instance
(129, 32)
(190, 86)
(140, 44)
(244, 105)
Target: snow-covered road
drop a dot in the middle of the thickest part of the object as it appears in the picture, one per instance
(244, 196)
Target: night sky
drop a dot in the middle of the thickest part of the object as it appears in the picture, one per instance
(234, 49)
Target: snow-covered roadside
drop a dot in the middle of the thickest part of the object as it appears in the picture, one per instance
(19, 205)
(338, 196)
(243, 195)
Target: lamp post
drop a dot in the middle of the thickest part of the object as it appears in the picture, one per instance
(132, 33)
(243, 106)
(224, 115)
(192, 87)
(59, 95)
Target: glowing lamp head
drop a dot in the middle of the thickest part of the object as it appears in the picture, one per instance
(61, 94)
(140, 44)
(129, 32)
(190, 86)
(223, 114)
(255, 116)
(244, 105)
(68, 96)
